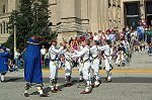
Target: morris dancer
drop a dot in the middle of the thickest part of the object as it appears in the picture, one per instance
(107, 56)
(84, 53)
(68, 65)
(54, 65)
(3, 62)
(95, 63)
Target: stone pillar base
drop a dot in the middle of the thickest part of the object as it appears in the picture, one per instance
(85, 25)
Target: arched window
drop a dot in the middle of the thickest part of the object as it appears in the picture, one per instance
(109, 3)
(4, 27)
(4, 8)
(1, 28)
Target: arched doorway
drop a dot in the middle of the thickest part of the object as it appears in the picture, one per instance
(131, 13)
(149, 13)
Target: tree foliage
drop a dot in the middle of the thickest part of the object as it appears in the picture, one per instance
(30, 20)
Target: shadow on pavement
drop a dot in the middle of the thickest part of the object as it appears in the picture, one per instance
(17, 79)
(75, 80)
(131, 80)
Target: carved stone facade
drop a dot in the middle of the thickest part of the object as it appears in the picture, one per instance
(78, 16)
(71, 17)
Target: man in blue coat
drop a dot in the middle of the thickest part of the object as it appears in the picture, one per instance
(141, 33)
(3, 62)
(33, 69)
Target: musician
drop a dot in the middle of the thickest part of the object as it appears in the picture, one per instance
(33, 68)
(4, 54)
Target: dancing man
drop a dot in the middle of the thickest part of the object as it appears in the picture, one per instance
(33, 68)
(3, 62)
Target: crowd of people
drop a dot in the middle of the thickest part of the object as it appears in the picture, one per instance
(87, 52)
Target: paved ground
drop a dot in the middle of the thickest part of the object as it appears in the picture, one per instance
(133, 82)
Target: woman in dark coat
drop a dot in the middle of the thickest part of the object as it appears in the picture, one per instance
(3, 62)
(33, 69)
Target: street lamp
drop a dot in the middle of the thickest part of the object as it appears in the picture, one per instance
(14, 36)
(49, 24)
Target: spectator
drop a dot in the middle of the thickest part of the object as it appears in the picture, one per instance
(43, 52)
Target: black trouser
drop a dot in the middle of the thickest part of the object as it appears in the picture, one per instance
(29, 85)
(3, 73)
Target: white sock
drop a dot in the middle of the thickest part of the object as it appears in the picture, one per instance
(88, 83)
(52, 87)
(96, 83)
(56, 86)
(40, 90)
(2, 77)
(25, 91)
(80, 78)
(109, 77)
(87, 89)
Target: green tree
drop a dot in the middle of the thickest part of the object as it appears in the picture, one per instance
(30, 20)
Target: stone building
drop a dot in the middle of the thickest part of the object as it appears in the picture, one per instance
(6, 7)
(71, 17)
(75, 16)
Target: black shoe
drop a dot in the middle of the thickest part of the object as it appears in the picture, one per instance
(57, 89)
(43, 95)
(53, 91)
(26, 94)
(81, 80)
(68, 84)
(3, 81)
(97, 85)
(85, 92)
(109, 80)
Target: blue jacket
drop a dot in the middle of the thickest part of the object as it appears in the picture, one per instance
(4, 62)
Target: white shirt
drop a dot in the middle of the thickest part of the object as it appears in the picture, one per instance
(43, 51)
(84, 53)
(106, 48)
(96, 38)
(54, 52)
(94, 51)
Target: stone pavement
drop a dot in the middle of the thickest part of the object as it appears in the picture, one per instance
(132, 82)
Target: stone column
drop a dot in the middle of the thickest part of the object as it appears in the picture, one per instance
(70, 19)
(104, 15)
(70, 15)
(54, 12)
(110, 14)
(119, 8)
(94, 16)
(142, 9)
(122, 14)
(67, 8)
(84, 15)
